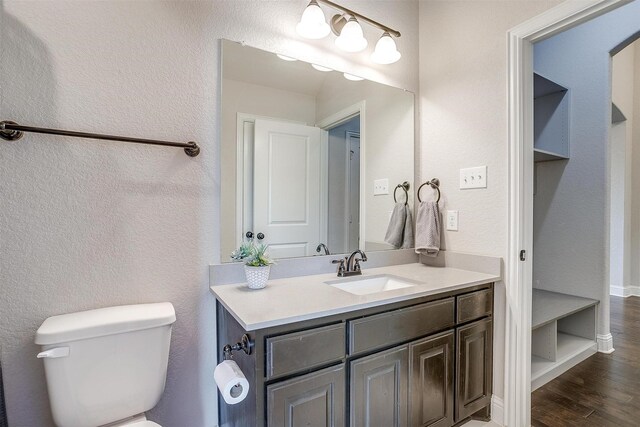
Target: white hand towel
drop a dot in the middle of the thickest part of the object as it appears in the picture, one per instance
(395, 231)
(407, 236)
(428, 229)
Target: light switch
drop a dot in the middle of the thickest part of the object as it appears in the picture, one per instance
(381, 186)
(452, 220)
(473, 177)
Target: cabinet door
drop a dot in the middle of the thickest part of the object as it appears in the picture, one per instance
(431, 381)
(474, 367)
(378, 394)
(313, 400)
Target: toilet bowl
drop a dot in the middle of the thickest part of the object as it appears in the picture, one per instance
(106, 367)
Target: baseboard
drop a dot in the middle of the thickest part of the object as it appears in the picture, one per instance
(605, 343)
(497, 410)
(624, 291)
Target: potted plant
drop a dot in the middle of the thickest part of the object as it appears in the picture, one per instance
(257, 263)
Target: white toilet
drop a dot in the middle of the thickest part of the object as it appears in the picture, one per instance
(106, 367)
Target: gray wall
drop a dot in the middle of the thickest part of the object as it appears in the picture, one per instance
(571, 203)
(86, 224)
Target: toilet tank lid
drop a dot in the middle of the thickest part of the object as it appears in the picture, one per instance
(104, 321)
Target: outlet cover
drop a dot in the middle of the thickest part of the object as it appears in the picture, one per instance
(452, 220)
(473, 177)
(381, 186)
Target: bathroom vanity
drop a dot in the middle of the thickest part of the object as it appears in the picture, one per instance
(420, 355)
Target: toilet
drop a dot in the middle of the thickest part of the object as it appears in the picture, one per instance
(106, 367)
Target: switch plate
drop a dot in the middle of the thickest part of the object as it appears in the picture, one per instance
(452, 220)
(380, 187)
(473, 177)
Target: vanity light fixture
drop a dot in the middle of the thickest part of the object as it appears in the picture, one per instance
(313, 25)
(352, 77)
(386, 51)
(321, 68)
(346, 25)
(351, 38)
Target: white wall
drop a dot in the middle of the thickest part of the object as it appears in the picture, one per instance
(571, 208)
(463, 99)
(88, 224)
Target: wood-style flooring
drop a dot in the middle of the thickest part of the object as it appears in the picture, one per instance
(604, 390)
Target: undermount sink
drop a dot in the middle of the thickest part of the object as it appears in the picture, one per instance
(365, 285)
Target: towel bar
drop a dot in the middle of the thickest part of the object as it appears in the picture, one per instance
(435, 184)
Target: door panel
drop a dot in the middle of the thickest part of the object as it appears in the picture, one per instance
(313, 400)
(287, 166)
(474, 370)
(379, 389)
(431, 381)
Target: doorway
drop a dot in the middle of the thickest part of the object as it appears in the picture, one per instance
(519, 259)
(344, 187)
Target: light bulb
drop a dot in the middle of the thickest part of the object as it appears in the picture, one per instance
(285, 57)
(321, 68)
(351, 38)
(352, 77)
(313, 25)
(386, 51)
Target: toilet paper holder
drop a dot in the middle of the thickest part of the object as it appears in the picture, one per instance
(245, 344)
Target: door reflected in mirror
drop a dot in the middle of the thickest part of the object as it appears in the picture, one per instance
(301, 149)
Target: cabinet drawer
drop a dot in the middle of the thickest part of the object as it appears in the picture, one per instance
(298, 351)
(386, 329)
(475, 305)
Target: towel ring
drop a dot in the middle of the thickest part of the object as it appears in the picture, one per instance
(435, 184)
(405, 187)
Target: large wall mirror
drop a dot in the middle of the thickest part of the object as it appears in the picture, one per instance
(302, 148)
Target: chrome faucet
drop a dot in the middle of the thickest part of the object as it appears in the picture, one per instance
(350, 266)
(322, 246)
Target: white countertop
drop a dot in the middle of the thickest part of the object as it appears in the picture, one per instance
(301, 298)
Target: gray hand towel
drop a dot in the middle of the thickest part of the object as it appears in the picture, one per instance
(407, 236)
(395, 231)
(428, 229)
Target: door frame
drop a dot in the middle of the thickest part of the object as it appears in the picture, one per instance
(336, 119)
(518, 274)
(349, 136)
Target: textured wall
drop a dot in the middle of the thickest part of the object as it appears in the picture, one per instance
(463, 101)
(88, 224)
(571, 206)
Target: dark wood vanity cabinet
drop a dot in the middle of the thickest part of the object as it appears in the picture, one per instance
(425, 362)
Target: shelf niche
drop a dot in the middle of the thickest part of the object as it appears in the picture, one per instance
(550, 120)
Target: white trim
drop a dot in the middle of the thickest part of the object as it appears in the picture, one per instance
(497, 410)
(624, 291)
(605, 343)
(337, 119)
(520, 134)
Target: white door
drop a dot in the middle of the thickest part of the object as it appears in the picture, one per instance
(287, 186)
(353, 191)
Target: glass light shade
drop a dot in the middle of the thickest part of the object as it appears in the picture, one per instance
(352, 77)
(321, 68)
(313, 25)
(351, 38)
(386, 51)
(285, 57)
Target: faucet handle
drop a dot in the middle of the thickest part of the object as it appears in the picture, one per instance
(341, 267)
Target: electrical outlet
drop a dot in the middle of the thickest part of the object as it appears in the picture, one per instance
(380, 187)
(452, 220)
(473, 177)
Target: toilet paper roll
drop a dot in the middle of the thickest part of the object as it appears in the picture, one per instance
(232, 383)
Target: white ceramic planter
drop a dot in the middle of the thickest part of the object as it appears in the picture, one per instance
(257, 277)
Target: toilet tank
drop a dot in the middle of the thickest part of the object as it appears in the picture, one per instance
(107, 364)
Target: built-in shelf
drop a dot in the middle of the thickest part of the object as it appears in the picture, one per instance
(563, 334)
(550, 120)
